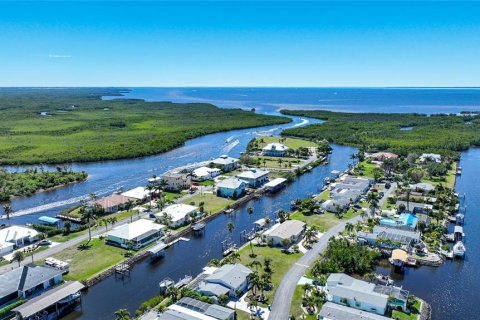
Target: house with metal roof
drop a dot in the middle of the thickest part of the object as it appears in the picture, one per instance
(422, 187)
(334, 205)
(135, 235)
(291, 230)
(26, 281)
(179, 212)
(255, 178)
(275, 149)
(188, 308)
(345, 290)
(433, 157)
(138, 193)
(14, 237)
(394, 235)
(225, 163)
(414, 207)
(205, 173)
(231, 188)
(229, 279)
(333, 311)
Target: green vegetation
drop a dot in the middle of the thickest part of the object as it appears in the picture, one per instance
(7, 309)
(212, 203)
(443, 134)
(301, 299)
(323, 221)
(87, 261)
(291, 143)
(275, 162)
(21, 184)
(414, 315)
(80, 126)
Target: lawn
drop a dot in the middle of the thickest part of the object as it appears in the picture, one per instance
(448, 181)
(278, 162)
(323, 221)
(281, 263)
(172, 196)
(403, 316)
(212, 202)
(367, 170)
(84, 264)
(296, 307)
(242, 315)
(292, 143)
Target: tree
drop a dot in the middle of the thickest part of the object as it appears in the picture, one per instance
(18, 256)
(282, 215)
(349, 227)
(87, 215)
(415, 174)
(286, 243)
(105, 223)
(7, 208)
(67, 226)
(372, 199)
(122, 314)
(172, 293)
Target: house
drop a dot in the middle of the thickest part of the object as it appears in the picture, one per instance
(345, 290)
(414, 207)
(333, 311)
(177, 182)
(225, 163)
(381, 156)
(255, 178)
(433, 157)
(135, 235)
(274, 150)
(112, 203)
(205, 173)
(53, 304)
(231, 188)
(398, 237)
(291, 230)
(421, 187)
(16, 237)
(229, 279)
(336, 205)
(424, 219)
(28, 280)
(137, 194)
(192, 309)
(179, 212)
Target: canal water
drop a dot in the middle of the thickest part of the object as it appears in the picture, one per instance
(449, 288)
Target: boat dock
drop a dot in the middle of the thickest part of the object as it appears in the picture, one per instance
(158, 250)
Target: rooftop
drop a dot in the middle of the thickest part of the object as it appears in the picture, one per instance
(224, 159)
(14, 233)
(287, 229)
(112, 200)
(275, 182)
(135, 229)
(332, 311)
(138, 193)
(178, 211)
(252, 174)
(231, 183)
(275, 146)
(231, 274)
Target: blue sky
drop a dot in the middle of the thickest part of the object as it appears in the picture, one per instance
(239, 43)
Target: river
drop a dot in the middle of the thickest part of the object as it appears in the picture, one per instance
(450, 289)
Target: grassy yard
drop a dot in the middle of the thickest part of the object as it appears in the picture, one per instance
(86, 263)
(448, 181)
(367, 169)
(278, 162)
(296, 307)
(323, 221)
(242, 315)
(212, 202)
(172, 196)
(292, 143)
(403, 316)
(281, 262)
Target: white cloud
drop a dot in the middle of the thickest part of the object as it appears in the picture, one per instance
(59, 56)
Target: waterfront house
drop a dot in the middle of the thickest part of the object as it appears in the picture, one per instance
(225, 163)
(16, 237)
(333, 311)
(336, 205)
(192, 309)
(229, 279)
(112, 203)
(291, 230)
(415, 207)
(345, 290)
(177, 182)
(179, 213)
(205, 173)
(53, 304)
(397, 237)
(28, 280)
(381, 156)
(231, 188)
(422, 187)
(135, 235)
(137, 194)
(433, 157)
(275, 150)
(255, 178)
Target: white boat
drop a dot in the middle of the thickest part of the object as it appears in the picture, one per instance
(459, 249)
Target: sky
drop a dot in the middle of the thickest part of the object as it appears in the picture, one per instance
(285, 44)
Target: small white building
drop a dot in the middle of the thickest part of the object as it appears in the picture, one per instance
(138, 193)
(275, 149)
(136, 234)
(255, 178)
(205, 173)
(434, 157)
(177, 181)
(179, 212)
(290, 229)
(16, 237)
(226, 163)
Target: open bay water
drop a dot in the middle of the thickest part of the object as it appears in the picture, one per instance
(450, 288)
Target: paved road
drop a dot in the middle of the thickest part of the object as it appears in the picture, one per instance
(283, 297)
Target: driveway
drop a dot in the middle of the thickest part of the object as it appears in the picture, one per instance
(283, 297)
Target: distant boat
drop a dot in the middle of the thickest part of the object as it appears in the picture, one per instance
(459, 249)
(165, 284)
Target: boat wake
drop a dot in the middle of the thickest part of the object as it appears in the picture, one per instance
(304, 122)
(230, 146)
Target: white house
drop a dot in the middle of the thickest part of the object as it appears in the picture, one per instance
(345, 290)
(254, 177)
(290, 229)
(226, 163)
(229, 279)
(138, 193)
(15, 237)
(179, 212)
(205, 173)
(136, 234)
(231, 188)
(275, 149)
(434, 157)
(177, 181)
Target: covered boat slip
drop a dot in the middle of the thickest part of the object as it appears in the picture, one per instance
(52, 302)
(158, 250)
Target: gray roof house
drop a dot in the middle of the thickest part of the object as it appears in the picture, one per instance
(26, 281)
(228, 279)
(333, 311)
(290, 229)
(225, 163)
(345, 290)
(254, 177)
(404, 237)
(192, 309)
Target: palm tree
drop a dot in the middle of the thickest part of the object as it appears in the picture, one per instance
(172, 293)
(105, 223)
(372, 198)
(87, 215)
(255, 264)
(18, 256)
(267, 221)
(230, 227)
(7, 208)
(349, 227)
(67, 226)
(122, 314)
(235, 256)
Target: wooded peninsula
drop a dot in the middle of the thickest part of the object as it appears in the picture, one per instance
(64, 125)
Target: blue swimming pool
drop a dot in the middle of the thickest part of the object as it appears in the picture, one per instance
(405, 220)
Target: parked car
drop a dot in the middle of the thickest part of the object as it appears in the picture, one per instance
(44, 242)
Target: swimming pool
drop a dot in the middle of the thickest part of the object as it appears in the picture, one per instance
(405, 220)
